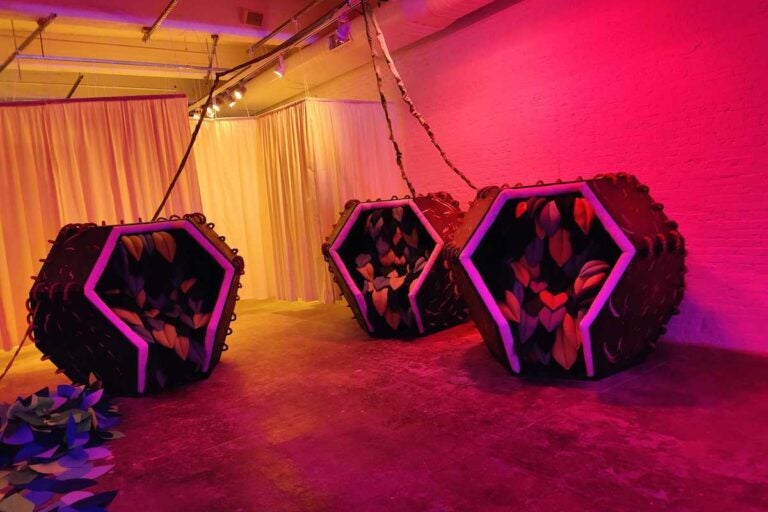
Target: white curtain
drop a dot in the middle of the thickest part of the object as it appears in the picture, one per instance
(81, 161)
(275, 184)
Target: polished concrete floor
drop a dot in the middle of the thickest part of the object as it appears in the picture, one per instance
(306, 413)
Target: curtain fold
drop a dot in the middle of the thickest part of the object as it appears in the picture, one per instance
(82, 161)
(275, 184)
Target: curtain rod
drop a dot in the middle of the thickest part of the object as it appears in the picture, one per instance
(33, 103)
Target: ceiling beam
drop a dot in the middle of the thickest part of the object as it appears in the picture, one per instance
(160, 19)
(41, 24)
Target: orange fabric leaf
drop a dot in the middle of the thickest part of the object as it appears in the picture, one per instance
(188, 283)
(182, 347)
(413, 238)
(583, 214)
(200, 319)
(553, 301)
(560, 247)
(512, 306)
(522, 274)
(567, 343)
(393, 319)
(129, 316)
(141, 298)
(134, 245)
(380, 300)
(161, 339)
(165, 245)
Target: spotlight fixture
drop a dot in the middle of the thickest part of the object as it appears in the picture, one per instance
(216, 104)
(230, 99)
(343, 29)
(196, 114)
(239, 92)
(342, 34)
(211, 113)
(280, 68)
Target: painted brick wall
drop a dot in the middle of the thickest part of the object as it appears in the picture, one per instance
(673, 91)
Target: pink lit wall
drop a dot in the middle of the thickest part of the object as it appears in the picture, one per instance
(673, 91)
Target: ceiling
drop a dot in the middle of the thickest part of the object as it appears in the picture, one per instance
(102, 40)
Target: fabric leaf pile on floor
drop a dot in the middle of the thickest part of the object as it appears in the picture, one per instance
(52, 449)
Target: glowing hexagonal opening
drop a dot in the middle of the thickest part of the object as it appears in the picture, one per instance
(384, 252)
(544, 260)
(163, 285)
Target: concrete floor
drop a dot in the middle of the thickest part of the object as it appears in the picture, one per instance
(306, 413)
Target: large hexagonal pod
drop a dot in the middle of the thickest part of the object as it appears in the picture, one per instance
(387, 257)
(577, 278)
(136, 305)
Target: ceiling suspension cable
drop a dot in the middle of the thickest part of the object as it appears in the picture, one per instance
(383, 99)
(407, 99)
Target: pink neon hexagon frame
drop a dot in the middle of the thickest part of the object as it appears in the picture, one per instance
(141, 345)
(416, 285)
(621, 265)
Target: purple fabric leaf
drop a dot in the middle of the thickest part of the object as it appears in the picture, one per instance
(75, 496)
(551, 320)
(362, 259)
(28, 451)
(135, 283)
(534, 251)
(106, 422)
(149, 244)
(143, 333)
(91, 399)
(82, 438)
(18, 434)
(71, 431)
(528, 325)
(75, 484)
(83, 471)
(44, 456)
(68, 391)
(382, 246)
(40, 484)
(98, 471)
(39, 498)
(98, 453)
(74, 458)
(97, 500)
(158, 302)
(518, 291)
(550, 218)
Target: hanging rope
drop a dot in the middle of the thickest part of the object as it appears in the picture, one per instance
(407, 99)
(189, 150)
(21, 344)
(18, 349)
(383, 99)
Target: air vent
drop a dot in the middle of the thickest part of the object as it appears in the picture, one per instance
(253, 18)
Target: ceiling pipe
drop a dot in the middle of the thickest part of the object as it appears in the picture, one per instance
(148, 31)
(201, 70)
(404, 22)
(251, 49)
(42, 23)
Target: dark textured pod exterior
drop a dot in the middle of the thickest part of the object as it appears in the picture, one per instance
(76, 328)
(631, 309)
(433, 297)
